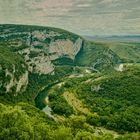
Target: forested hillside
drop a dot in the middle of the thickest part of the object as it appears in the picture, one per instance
(55, 85)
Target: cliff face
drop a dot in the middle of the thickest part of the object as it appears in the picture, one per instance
(39, 56)
(38, 47)
(13, 72)
(19, 83)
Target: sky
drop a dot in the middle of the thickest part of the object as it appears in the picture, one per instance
(84, 17)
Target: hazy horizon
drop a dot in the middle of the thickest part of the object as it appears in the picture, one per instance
(84, 17)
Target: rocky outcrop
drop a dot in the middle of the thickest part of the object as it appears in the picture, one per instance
(65, 48)
(20, 84)
(119, 68)
(11, 83)
(39, 46)
(39, 55)
(96, 88)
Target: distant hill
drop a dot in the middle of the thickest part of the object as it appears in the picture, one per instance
(126, 38)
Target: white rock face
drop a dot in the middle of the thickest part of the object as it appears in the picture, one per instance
(96, 88)
(42, 62)
(44, 67)
(20, 84)
(65, 48)
(61, 47)
(12, 81)
(41, 48)
(120, 68)
(40, 35)
(23, 82)
(77, 46)
(52, 34)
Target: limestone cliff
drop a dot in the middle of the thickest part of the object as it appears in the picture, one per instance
(43, 45)
(12, 83)
(38, 47)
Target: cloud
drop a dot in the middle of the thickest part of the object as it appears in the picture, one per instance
(80, 16)
(106, 1)
(83, 5)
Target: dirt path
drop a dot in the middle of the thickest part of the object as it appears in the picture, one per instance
(96, 79)
(77, 104)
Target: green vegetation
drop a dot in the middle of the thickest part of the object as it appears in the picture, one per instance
(7, 58)
(9, 66)
(87, 98)
(116, 102)
(58, 104)
(128, 52)
(33, 54)
(96, 55)
(22, 28)
(63, 61)
(26, 122)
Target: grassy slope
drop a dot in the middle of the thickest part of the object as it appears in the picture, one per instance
(129, 52)
(93, 52)
(76, 103)
(121, 52)
(118, 100)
